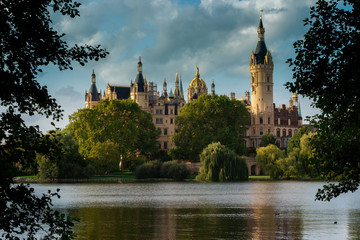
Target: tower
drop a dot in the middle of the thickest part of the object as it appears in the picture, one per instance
(261, 77)
(93, 97)
(139, 91)
(213, 88)
(177, 92)
(164, 88)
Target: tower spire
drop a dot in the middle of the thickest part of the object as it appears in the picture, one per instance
(93, 77)
(165, 88)
(181, 88)
(139, 65)
(261, 29)
(213, 88)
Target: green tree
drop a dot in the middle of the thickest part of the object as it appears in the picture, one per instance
(219, 163)
(27, 43)
(63, 159)
(268, 158)
(206, 120)
(306, 154)
(294, 141)
(121, 122)
(105, 157)
(326, 69)
(267, 139)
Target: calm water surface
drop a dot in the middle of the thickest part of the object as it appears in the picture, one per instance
(248, 210)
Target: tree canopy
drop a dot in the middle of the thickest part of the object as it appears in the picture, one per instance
(268, 158)
(294, 141)
(326, 69)
(210, 119)
(267, 139)
(28, 42)
(219, 163)
(63, 159)
(123, 123)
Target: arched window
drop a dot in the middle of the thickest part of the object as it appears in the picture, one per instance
(284, 132)
(290, 133)
(261, 120)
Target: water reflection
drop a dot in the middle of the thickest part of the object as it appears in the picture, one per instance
(251, 210)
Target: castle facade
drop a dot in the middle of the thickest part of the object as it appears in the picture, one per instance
(266, 117)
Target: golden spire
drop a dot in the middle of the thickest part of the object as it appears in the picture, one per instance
(197, 75)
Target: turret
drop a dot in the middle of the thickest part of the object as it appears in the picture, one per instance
(164, 88)
(213, 88)
(177, 89)
(181, 88)
(92, 97)
(139, 80)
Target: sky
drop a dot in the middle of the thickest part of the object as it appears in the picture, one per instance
(176, 36)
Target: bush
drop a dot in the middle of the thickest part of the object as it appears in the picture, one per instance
(132, 164)
(155, 169)
(47, 169)
(175, 170)
(148, 170)
(221, 164)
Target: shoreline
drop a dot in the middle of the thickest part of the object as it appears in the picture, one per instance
(133, 180)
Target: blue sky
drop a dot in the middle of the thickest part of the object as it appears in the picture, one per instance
(174, 35)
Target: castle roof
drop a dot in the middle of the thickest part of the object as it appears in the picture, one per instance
(139, 80)
(261, 50)
(93, 90)
(171, 95)
(94, 93)
(121, 92)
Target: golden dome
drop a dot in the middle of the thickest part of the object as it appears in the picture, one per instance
(295, 96)
(197, 82)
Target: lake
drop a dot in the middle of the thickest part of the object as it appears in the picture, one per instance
(189, 210)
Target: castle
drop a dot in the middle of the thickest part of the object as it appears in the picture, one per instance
(280, 121)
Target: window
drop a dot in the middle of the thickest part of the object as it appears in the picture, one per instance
(159, 121)
(269, 120)
(171, 121)
(261, 120)
(171, 111)
(159, 145)
(268, 79)
(284, 133)
(269, 130)
(268, 88)
(290, 133)
(278, 132)
(261, 131)
(165, 145)
(253, 120)
(165, 131)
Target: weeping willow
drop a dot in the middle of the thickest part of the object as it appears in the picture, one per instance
(221, 164)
